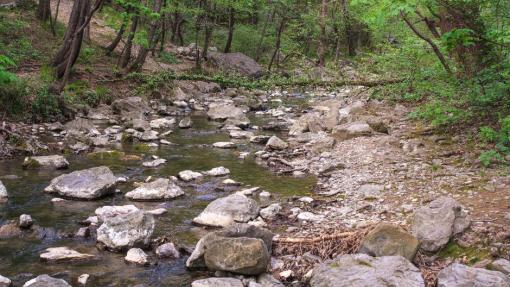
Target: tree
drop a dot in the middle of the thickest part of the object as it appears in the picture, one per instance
(321, 47)
(44, 10)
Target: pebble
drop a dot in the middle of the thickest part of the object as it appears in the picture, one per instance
(25, 221)
(137, 256)
(83, 278)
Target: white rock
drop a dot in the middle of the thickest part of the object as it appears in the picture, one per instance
(83, 278)
(161, 188)
(167, 250)
(137, 256)
(264, 195)
(218, 171)
(240, 134)
(227, 210)
(224, 145)
(162, 123)
(248, 191)
(4, 281)
(275, 143)
(189, 175)
(309, 217)
(230, 182)
(271, 211)
(25, 221)
(154, 163)
(3, 191)
(306, 199)
(46, 281)
(157, 211)
(49, 161)
(217, 282)
(63, 254)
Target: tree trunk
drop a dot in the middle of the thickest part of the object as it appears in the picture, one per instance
(351, 44)
(126, 55)
(321, 48)
(54, 21)
(277, 44)
(231, 21)
(117, 39)
(262, 36)
(44, 10)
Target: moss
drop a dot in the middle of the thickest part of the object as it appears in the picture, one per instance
(126, 138)
(141, 148)
(473, 254)
(30, 163)
(111, 154)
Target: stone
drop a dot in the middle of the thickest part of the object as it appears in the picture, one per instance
(225, 145)
(236, 230)
(267, 280)
(351, 130)
(437, 222)
(124, 227)
(309, 217)
(189, 175)
(130, 107)
(223, 111)
(240, 134)
(140, 125)
(3, 191)
(100, 141)
(50, 162)
(370, 191)
(271, 211)
(275, 143)
(148, 136)
(227, 210)
(364, 270)
(162, 123)
(154, 163)
(218, 171)
(137, 256)
(25, 221)
(82, 279)
(89, 183)
(64, 254)
(83, 232)
(388, 240)
(260, 139)
(501, 265)
(4, 281)
(157, 211)
(46, 281)
(217, 282)
(461, 275)
(247, 256)
(306, 123)
(167, 250)
(161, 188)
(237, 63)
(185, 123)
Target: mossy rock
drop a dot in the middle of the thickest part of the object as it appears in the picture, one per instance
(30, 163)
(102, 155)
(472, 253)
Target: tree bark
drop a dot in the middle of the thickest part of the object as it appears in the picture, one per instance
(126, 55)
(434, 47)
(44, 10)
(231, 23)
(321, 47)
(117, 39)
(351, 45)
(262, 36)
(54, 21)
(277, 44)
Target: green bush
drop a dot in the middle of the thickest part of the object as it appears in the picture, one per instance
(45, 106)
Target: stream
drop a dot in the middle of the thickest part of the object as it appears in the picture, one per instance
(19, 257)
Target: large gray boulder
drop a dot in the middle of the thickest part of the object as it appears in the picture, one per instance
(124, 227)
(130, 107)
(459, 275)
(3, 191)
(224, 111)
(46, 281)
(159, 189)
(501, 265)
(351, 130)
(227, 210)
(218, 257)
(275, 143)
(388, 240)
(362, 270)
(217, 282)
(4, 281)
(237, 63)
(49, 161)
(89, 183)
(437, 222)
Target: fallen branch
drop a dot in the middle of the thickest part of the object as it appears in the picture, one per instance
(314, 239)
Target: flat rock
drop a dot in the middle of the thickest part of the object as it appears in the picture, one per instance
(461, 275)
(50, 162)
(362, 270)
(240, 134)
(3, 191)
(223, 111)
(130, 107)
(225, 145)
(437, 222)
(189, 175)
(260, 139)
(137, 256)
(4, 281)
(154, 163)
(161, 188)
(124, 227)
(89, 183)
(227, 210)
(162, 123)
(351, 130)
(217, 282)
(271, 211)
(218, 171)
(501, 265)
(150, 135)
(275, 143)
(64, 254)
(46, 281)
(388, 240)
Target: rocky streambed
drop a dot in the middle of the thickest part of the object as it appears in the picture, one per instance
(214, 187)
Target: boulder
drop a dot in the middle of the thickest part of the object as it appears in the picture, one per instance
(4, 281)
(217, 282)
(161, 188)
(242, 255)
(130, 107)
(64, 254)
(461, 275)
(260, 139)
(46, 281)
(189, 175)
(267, 280)
(271, 211)
(437, 222)
(351, 130)
(25, 221)
(275, 143)
(501, 265)
(140, 125)
(148, 136)
(79, 126)
(185, 123)
(365, 271)
(218, 171)
(223, 111)
(50, 161)
(388, 240)
(237, 63)
(227, 210)
(137, 256)
(3, 191)
(162, 123)
(167, 250)
(154, 163)
(89, 183)
(306, 123)
(124, 227)
(240, 134)
(236, 230)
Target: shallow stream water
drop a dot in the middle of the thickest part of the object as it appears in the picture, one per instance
(19, 257)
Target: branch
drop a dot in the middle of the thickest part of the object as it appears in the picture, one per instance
(312, 240)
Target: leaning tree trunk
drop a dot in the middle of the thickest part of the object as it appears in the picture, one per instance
(351, 46)
(277, 44)
(231, 21)
(117, 39)
(44, 10)
(126, 55)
